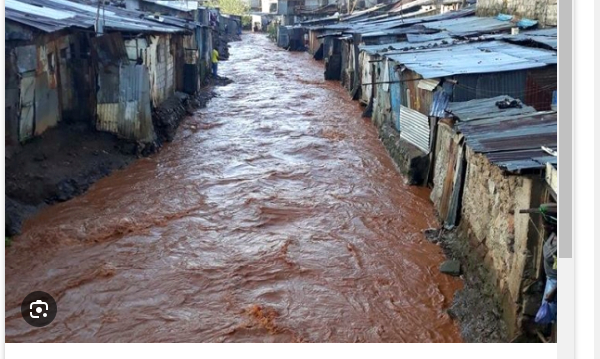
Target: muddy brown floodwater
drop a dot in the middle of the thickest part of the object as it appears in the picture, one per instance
(275, 215)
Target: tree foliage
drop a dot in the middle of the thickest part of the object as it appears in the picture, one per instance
(233, 7)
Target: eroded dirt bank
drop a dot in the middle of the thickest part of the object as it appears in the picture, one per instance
(65, 161)
(275, 215)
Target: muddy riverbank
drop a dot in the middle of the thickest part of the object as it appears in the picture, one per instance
(65, 161)
(476, 306)
(274, 215)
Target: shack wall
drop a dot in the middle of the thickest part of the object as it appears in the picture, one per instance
(446, 139)
(161, 67)
(39, 80)
(505, 241)
(381, 104)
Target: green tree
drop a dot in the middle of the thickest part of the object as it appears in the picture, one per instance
(233, 7)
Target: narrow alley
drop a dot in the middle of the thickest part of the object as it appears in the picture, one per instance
(275, 215)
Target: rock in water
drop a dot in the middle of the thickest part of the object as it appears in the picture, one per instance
(451, 267)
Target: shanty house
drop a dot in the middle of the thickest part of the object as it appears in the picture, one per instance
(201, 21)
(490, 159)
(113, 78)
(47, 54)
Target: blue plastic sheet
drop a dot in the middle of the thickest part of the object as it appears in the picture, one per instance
(547, 312)
(504, 17)
(525, 23)
(544, 314)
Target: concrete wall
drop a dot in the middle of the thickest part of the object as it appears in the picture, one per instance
(545, 11)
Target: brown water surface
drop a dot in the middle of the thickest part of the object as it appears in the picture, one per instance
(275, 215)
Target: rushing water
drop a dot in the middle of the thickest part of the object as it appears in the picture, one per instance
(275, 215)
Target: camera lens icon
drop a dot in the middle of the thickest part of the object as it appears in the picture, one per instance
(38, 309)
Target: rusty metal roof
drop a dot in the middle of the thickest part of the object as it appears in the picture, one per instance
(54, 15)
(485, 108)
(47, 19)
(406, 45)
(513, 143)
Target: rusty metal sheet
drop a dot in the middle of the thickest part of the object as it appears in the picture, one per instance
(47, 109)
(128, 114)
(110, 49)
(26, 58)
(484, 109)
(27, 99)
(457, 185)
(513, 143)
(108, 115)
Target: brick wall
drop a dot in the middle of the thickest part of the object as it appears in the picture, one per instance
(542, 10)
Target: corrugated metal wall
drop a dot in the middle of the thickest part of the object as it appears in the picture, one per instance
(170, 75)
(415, 128)
(395, 96)
(283, 36)
(381, 104)
(124, 103)
(540, 87)
(474, 86)
(533, 87)
(366, 77)
(27, 99)
(47, 109)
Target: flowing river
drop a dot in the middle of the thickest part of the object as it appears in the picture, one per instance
(276, 215)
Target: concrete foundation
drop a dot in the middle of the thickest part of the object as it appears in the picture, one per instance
(411, 161)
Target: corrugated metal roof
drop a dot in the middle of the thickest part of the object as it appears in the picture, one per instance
(405, 45)
(546, 37)
(485, 108)
(441, 97)
(514, 143)
(44, 18)
(470, 26)
(473, 58)
(415, 37)
(181, 5)
(54, 15)
(429, 84)
(523, 52)
(380, 25)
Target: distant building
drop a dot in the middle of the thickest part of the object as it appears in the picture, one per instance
(254, 5)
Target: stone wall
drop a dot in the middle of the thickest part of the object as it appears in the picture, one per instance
(500, 245)
(505, 240)
(545, 11)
